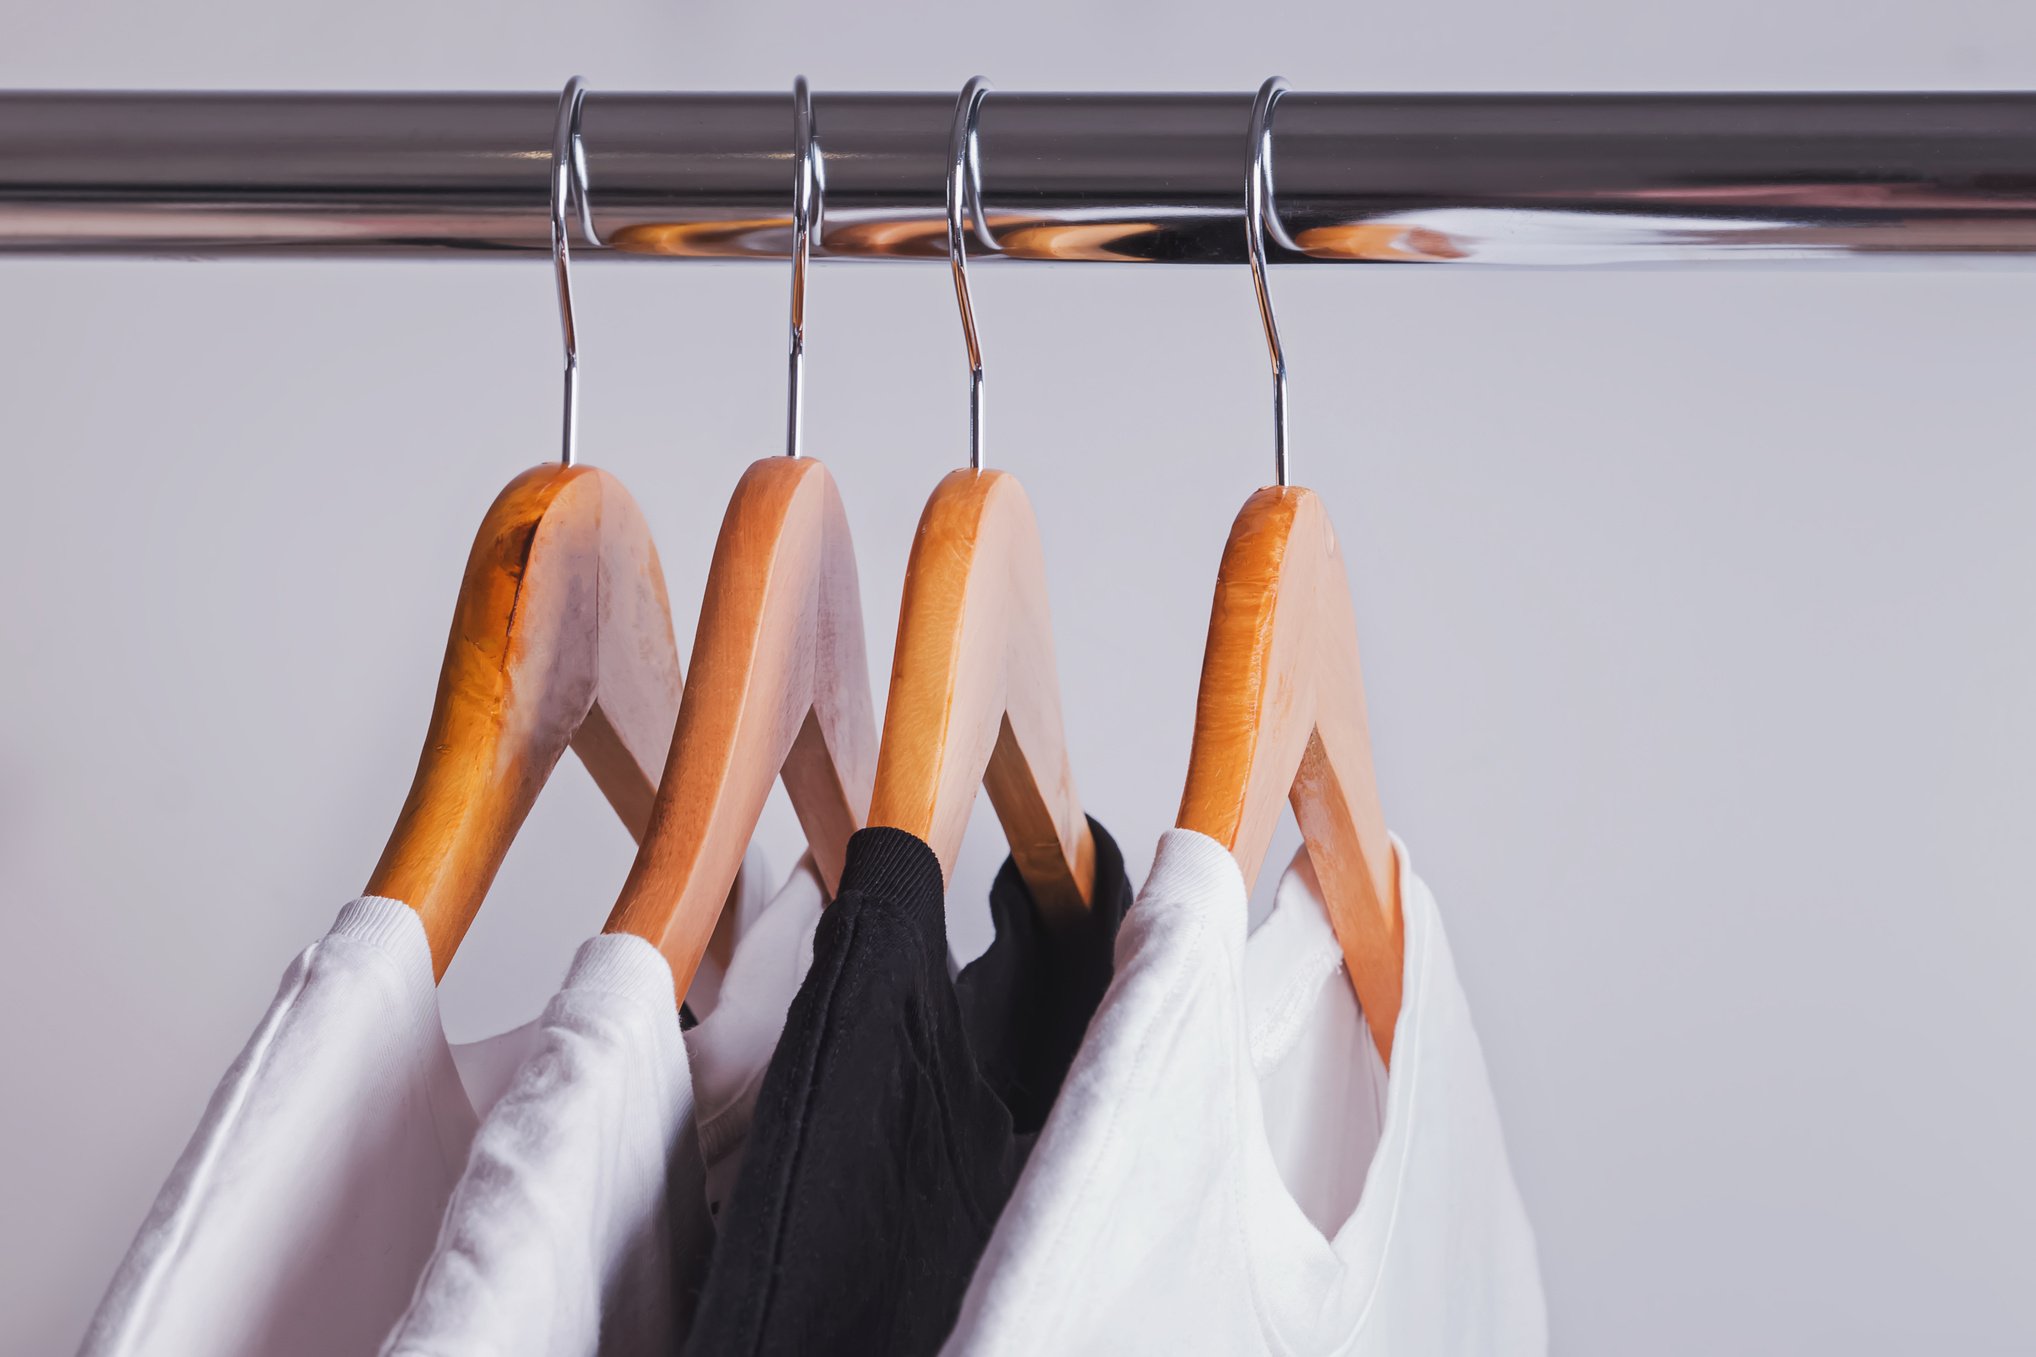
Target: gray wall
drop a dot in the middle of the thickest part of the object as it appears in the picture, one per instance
(1697, 613)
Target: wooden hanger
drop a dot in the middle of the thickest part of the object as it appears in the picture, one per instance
(1280, 716)
(561, 636)
(780, 680)
(974, 698)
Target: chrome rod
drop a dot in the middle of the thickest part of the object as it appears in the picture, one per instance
(1432, 178)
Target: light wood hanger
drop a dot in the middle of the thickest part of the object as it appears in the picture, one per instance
(974, 697)
(780, 679)
(1280, 715)
(561, 636)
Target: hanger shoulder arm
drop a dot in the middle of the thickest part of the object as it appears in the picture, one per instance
(1251, 722)
(627, 731)
(832, 762)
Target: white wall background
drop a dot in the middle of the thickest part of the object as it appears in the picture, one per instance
(1699, 613)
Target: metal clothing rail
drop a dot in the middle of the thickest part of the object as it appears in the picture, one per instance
(1449, 178)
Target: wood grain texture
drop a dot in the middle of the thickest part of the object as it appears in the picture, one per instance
(1281, 716)
(779, 681)
(975, 697)
(561, 637)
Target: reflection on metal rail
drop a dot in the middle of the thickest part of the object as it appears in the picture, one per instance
(1463, 179)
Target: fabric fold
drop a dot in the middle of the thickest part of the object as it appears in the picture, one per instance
(1229, 1168)
(898, 1109)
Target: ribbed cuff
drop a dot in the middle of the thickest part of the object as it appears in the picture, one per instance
(386, 924)
(895, 866)
(622, 963)
(1193, 870)
(392, 929)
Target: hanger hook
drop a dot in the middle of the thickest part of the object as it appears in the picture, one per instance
(809, 204)
(965, 180)
(1260, 209)
(569, 182)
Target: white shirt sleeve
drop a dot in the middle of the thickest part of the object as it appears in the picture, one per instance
(583, 1224)
(299, 1214)
(561, 1230)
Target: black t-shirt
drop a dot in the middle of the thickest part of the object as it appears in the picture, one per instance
(898, 1109)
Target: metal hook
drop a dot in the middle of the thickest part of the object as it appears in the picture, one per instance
(569, 180)
(809, 205)
(1259, 209)
(965, 179)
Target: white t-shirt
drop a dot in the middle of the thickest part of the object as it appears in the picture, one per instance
(1227, 1169)
(299, 1216)
(582, 1223)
